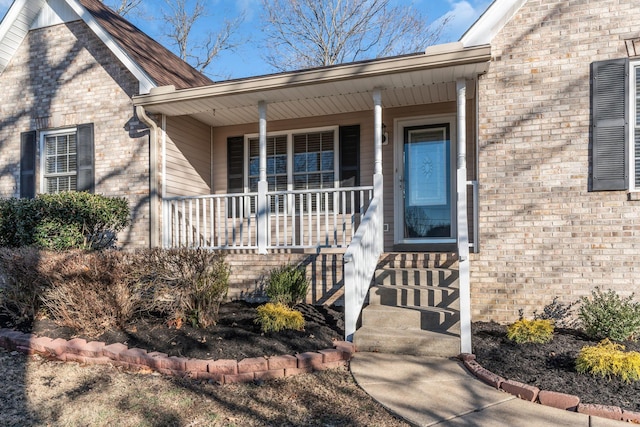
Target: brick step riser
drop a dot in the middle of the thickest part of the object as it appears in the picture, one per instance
(418, 260)
(409, 297)
(412, 319)
(398, 277)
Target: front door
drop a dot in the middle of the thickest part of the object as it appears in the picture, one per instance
(427, 208)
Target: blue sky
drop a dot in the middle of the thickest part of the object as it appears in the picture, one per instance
(247, 60)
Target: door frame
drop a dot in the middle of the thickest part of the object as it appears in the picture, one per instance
(399, 125)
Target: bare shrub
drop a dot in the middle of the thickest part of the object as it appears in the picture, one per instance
(93, 292)
(21, 283)
(188, 284)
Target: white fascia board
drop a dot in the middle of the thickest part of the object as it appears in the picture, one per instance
(491, 22)
(145, 82)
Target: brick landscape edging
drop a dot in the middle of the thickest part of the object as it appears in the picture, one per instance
(554, 399)
(223, 371)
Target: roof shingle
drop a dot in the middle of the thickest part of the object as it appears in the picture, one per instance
(164, 67)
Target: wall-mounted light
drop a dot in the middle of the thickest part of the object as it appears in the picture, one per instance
(385, 135)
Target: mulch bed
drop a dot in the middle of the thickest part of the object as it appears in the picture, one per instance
(235, 336)
(551, 366)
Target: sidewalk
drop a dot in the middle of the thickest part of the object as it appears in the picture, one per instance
(436, 391)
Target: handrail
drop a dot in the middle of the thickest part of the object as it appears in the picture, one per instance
(360, 261)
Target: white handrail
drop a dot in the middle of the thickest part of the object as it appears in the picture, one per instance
(360, 263)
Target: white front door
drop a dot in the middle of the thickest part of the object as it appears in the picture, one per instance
(425, 196)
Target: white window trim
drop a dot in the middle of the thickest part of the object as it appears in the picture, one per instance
(289, 134)
(43, 157)
(633, 127)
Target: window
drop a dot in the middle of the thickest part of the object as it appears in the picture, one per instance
(297, 160)
(65, 158)
(635, 164)
(59, 161)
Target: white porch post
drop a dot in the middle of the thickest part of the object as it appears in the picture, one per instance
(463, 228)
(263, 186)
(377, 169)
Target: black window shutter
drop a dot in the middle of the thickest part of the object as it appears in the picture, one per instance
(235, 169)
(85, 165)
(235, 164)
(28, 164)
(609, 121)
(349, 156)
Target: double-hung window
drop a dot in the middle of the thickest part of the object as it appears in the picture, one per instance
(59, 161)
(296, 160)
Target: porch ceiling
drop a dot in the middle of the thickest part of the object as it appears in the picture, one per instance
(404, 81)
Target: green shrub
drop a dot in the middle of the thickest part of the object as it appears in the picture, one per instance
(276, 317)
(68, 220)
(531, 331)
(609, 359)
(287, 285)
(607, 315)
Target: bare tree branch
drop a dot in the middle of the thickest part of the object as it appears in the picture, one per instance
(181, 17)
(312, 33)
(124, 7)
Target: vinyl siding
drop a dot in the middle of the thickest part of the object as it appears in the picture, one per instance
(188, 157)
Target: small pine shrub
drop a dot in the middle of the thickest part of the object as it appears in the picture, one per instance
(562, 314)
(276, 317)
(607, 315)
(287, 285)
(609, 359)
(531, 331)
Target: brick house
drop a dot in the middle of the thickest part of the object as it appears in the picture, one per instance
(469, 181)
(68, 71)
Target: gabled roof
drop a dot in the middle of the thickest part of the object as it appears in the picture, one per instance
(491, 22)
(151, 63)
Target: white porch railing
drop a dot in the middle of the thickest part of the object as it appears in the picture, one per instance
(360, 263)
(295, 219)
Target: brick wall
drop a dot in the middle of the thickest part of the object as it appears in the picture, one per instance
(543, 234)
(324, 271)
(62, 76)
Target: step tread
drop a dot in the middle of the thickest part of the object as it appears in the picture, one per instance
(379, 307)
(405, 333)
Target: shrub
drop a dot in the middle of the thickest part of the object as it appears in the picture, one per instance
(607, 315)
(94, 292)
(531, 331)
(21, 283)
(609, 359)
(287, 285)
(562, 314)
(276, 317)
(68, 220)
(188, 284)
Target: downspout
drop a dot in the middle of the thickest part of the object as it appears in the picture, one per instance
(153, 183)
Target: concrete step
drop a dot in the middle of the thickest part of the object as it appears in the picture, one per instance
(415, 296)
(418, 260)
(416, 276)
(419, 318)
(406, 341)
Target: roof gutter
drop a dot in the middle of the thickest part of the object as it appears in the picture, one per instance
(441, 56)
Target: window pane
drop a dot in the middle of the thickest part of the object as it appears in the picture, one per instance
(327, 180)
(300, 163)
(327, 160)
(312, 162)
(254, 166)
(281, 164)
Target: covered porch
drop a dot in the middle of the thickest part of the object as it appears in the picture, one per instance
(318, 159)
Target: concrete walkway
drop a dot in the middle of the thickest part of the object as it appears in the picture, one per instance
(436, 391)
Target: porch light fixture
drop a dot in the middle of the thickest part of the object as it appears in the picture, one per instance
(385, 135)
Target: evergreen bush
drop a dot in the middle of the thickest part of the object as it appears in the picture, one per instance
(609, 359)
(607, 315)
(276, 317)
(531, 331)
(287, 285)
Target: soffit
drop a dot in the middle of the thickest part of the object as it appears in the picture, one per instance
(405, 81)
